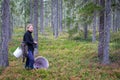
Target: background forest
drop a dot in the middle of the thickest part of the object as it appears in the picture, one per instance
(80, 38)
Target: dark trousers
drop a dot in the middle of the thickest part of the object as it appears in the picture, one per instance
(29, 60)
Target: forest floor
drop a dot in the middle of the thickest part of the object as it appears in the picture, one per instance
(69, 60)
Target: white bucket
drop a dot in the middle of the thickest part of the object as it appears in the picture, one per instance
(18, 52)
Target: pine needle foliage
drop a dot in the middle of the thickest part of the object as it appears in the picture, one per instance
(86, 12)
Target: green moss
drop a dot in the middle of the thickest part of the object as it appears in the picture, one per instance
(69, 59)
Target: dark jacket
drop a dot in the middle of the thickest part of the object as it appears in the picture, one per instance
(29, 40)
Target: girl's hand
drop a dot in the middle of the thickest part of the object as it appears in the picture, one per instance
(35, 42)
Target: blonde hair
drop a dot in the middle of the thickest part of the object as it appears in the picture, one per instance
(28, 26)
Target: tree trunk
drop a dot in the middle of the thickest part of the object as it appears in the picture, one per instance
(0, 25)
(60, 15)
(35, 20)
(52, 9)
(5, 34)
(41, 17)
(107, 32)
(31, 11)
(25, 23)
(118, 20)
(94, 29)
(101, 32)
(114, 21)
(85, 26)
(55, 17)
(116, 16)
(64, 16)
(94, 25)
(85, 31)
